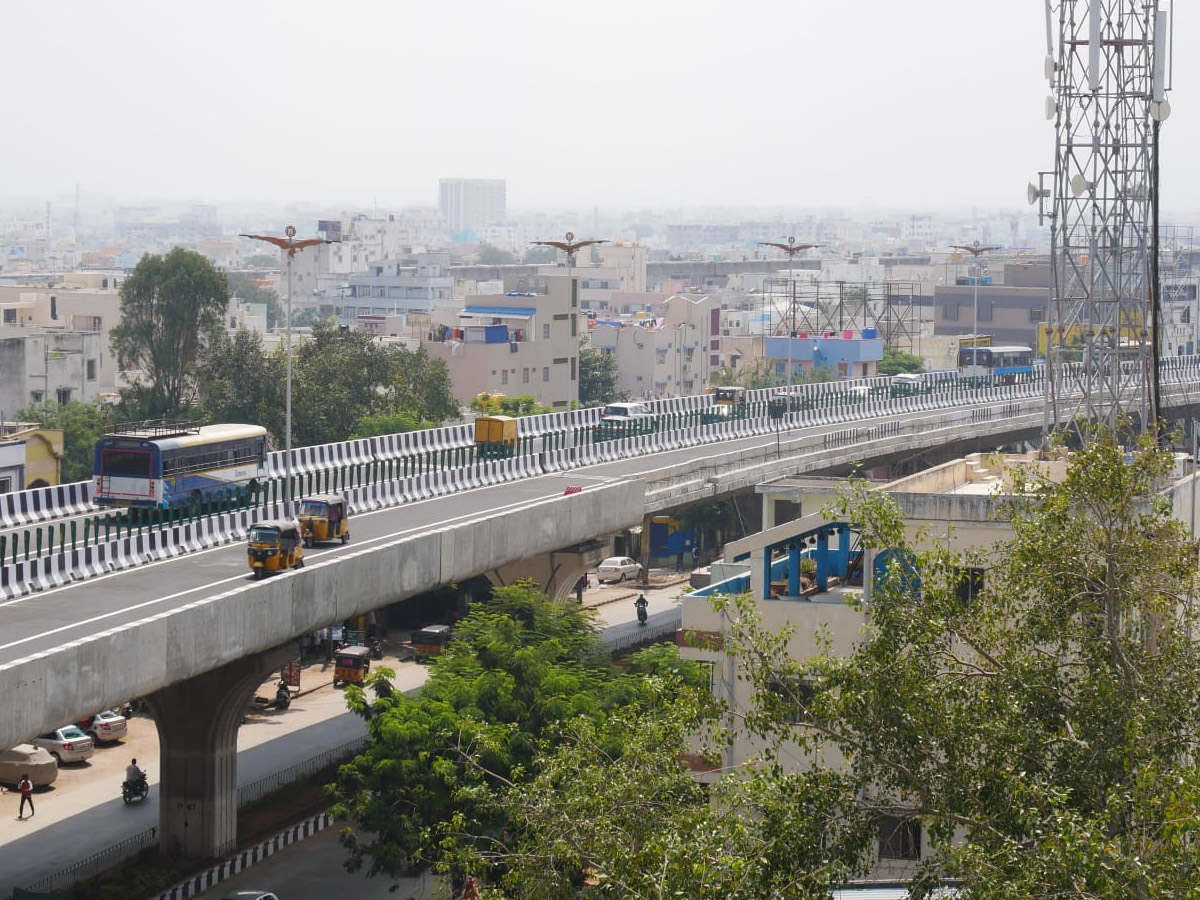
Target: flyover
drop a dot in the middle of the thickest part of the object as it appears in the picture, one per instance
(195, 636)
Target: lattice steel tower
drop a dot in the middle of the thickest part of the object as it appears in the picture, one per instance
(1108, 70)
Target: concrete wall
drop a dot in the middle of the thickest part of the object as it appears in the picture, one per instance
(49, 689)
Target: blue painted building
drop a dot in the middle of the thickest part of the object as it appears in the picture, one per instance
(850, 354)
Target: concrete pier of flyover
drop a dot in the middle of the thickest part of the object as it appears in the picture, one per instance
(198, 659)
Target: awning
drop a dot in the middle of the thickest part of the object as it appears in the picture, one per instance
(499, 312)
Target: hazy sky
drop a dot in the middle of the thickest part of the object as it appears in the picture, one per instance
(633, 103)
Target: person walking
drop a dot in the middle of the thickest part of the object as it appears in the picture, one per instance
(25, 786)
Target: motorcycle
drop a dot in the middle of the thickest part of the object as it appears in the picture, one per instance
(135, 790)
(641, 612)
(376, 649)
(283, 697)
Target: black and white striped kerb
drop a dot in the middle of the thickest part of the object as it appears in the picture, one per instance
(239, 862)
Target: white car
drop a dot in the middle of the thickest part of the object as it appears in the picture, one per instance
(67, 744)
(104, 727)
(617, 568)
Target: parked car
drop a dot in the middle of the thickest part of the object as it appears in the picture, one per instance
(250, 895)
(26, 759)
(67, 744)
(617, 568)
(104, 727)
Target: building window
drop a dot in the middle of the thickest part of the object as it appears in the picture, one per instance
(546, 332)
(899, 838)
(10, 317)
(574, 327)
(504, 376)
(1037, 314)
(1185, 316)
(573, 361)
(525, 376)
(64, 396)
(791, 696)
(970, 585)
(5, 485)
(91, 370)
(545, 373)
(37, 396)
(574, 292)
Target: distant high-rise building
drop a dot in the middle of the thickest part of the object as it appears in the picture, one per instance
(472, 202)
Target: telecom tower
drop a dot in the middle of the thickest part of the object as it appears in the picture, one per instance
(1108, 71)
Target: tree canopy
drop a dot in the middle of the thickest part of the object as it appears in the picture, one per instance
(344, 384)
(599, 378)
(244, 288)
(169, 306)
(520, 667)
(82, 425)
(895, 362)
(1040, 726)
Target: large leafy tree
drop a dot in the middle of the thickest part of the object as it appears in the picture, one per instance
(521, 667)
(421, 384)
(237, 383)
(1042, 724)
(599, 378)
(169, 305)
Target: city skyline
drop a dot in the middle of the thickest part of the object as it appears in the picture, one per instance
(792, 106)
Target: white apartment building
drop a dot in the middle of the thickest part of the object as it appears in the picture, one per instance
(39, 364)
(468, 203)
(387, 288)
(523, 341)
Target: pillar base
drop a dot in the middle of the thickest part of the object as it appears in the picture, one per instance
(197, 723)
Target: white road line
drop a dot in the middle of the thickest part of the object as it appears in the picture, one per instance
(242, 578)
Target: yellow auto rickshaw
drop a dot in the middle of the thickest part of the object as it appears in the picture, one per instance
(351, 665)
(495, 437)
(324, 517)
(274, 545)
(430, 641)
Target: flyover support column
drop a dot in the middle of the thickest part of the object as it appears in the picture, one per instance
(646, 550)
(197, 722)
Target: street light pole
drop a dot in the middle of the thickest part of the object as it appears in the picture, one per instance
(791, 248)
(290, 245)
(976, 251)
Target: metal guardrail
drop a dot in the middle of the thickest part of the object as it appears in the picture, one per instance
(247, 794)
(97, 862)
(256, 790)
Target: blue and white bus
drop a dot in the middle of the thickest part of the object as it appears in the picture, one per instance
(995, 365)
(163, 467)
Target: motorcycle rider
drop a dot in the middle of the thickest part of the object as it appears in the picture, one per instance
(133, 774)
(641, 603)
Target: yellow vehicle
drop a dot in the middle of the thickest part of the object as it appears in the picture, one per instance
(430, 641)
(730, 396)
(324, 517)
(274, 545)
(495, 437)
(351, 665)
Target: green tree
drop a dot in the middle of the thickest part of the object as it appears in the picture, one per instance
(421, 384)
(243, 287)
(338, 378)
(237, 383)
(169, 305)
(1041, 723)
(519, 668)
(895, 362)
(82, 425)
(388, 423)
(490, 255)
(263, 261)
(599, 378)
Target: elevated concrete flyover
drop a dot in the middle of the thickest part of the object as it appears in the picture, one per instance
(197, 661)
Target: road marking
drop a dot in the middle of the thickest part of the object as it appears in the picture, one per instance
(116, 612)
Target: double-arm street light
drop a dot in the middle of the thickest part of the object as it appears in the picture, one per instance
(290, 245)
(976, 251)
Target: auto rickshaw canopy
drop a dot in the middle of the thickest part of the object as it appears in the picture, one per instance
(272, 531)
(320, 504)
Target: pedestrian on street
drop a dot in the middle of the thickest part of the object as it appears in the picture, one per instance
(679, 561)
(26, 788)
